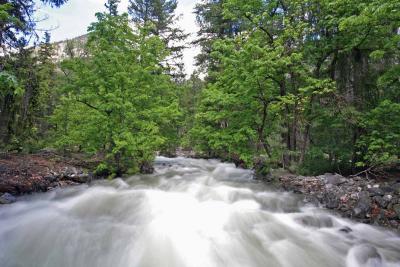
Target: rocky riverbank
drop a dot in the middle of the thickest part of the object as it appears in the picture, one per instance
(367, 201)
(26, 174)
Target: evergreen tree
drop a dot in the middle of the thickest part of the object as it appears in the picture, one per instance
(112, 7)
(159, 16)
(213, 26)
(16, 21)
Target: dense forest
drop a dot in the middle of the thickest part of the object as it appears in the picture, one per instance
(312, 86)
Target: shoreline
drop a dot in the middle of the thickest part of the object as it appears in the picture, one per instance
(22, 174)
(366, 201)
(356, 198)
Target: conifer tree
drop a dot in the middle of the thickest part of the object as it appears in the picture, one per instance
(112, 7)
(159, 16)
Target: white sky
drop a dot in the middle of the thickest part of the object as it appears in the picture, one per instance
(73, 18)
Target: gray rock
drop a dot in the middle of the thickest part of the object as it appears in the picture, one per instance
(334, 179)
(396, 208)
(346, 229)
(70, 171)
(383, 202)
(376, 191)
(350, 181)
(363, 205)
(365, 255)
(51, 177)
(387, 189)
(80, 178)
(388, 198)
(396, 188)
(7, 198)
(332, 200)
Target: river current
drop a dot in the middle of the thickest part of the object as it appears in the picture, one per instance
(189, 213)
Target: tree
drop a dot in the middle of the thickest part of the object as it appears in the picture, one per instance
(17, 22)
(116, 101)
(21, 82)
(112, 7)
(213, 26)
(379, 146)
(314, 66)
(159, 16)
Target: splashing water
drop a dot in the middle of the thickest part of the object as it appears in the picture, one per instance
(190, 213)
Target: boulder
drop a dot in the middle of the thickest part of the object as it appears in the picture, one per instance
(79, 178)
(363, 205)
(7, 198)
(333, 179)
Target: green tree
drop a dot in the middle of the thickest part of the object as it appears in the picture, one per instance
(117, 101)
(314, 67)
(112, 7)
(379, 145)
(213, 26)
(159, 16)
(17, 21)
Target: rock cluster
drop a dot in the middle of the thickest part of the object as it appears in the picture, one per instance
(368, 201)
(35, 173)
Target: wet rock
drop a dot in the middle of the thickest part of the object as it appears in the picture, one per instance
(364, 255)
(80, 178)
(322, 221)
(367, 201)
(7, 198)
(70, 172)
(396, 209)
(346, 229)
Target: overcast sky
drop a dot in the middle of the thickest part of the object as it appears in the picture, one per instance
(72, 20)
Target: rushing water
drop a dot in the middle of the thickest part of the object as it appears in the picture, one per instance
(189, 213)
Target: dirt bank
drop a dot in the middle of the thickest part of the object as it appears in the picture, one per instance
(25, 174)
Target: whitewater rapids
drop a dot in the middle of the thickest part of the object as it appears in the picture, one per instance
(189, 213)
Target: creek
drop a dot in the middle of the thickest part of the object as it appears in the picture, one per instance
(189, 213)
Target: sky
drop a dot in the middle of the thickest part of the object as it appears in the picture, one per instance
(72, 19)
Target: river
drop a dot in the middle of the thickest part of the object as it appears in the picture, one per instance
(189, 213)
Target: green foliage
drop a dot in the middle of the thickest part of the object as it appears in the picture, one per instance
(159, 17)
(308, 85)
(17, 21)
(9, 85)
(117, 102)
(293, 81)
(380, 144)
